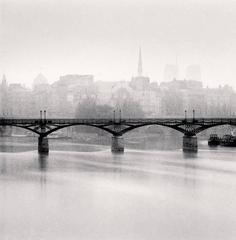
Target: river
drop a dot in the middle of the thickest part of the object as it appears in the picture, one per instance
(86, 192)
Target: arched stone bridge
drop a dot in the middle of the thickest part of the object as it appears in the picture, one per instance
(117, 128)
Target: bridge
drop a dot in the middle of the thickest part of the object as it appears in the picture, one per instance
(190, 127)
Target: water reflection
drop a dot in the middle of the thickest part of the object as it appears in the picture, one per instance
(190, 169)
(137, 195)
(117, 160)
(117, 157)
(6, 146)
(43, 165)
(43, 161)
(190, 155)
(3, 165)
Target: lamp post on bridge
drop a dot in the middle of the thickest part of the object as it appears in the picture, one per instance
(189, 139)
(117, 140)
(45, 112)
(185, 115)
(193, 114)
(41, 115)
(114, 115)
(43, 146)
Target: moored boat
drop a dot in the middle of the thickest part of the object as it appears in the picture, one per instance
(214, 140)
(228, 140)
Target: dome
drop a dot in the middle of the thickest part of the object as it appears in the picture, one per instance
(40, 80)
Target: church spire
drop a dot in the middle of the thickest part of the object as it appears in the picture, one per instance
(4, 78)
(4, 81)
(140, 65)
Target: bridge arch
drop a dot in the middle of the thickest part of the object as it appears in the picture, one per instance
(71, 125)
(130, 128)
(56, 128)
(203, 128)
(24, 127)
(197, 130)
(115, 133)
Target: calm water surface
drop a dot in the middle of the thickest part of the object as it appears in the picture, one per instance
(85, 192)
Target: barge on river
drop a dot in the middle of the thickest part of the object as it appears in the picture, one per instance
(228, 140)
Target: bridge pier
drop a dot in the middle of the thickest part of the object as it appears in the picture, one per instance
(43, 146)
(117, 144)
(190, 143)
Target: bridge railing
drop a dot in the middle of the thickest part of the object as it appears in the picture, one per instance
(12, 121)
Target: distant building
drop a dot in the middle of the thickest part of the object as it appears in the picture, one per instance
(4, 98)
(193, 72)
(104, 91)
(182, 84)
(170, 72)
(180, 95)
(70, 90)
(20, 100)
(73, 86)
(40, 81)
(121, 92)
(41, 99)
(75, 80)
(220, 101)
(140, 83)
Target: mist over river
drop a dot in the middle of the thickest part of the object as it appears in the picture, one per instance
(82, 191)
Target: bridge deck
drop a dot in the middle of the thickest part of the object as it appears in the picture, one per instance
(74, 121)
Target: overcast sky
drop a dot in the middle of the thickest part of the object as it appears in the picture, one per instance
(102, 38)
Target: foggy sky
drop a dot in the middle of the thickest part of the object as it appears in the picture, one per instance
(103, 37)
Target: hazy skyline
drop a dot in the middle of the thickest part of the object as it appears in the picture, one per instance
(102, 38)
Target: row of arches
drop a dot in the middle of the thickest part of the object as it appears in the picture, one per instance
(190, 129)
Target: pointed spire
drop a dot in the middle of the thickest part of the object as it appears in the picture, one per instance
(4, 80)
(140, 65)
